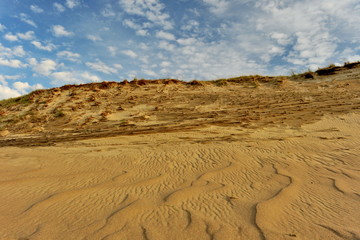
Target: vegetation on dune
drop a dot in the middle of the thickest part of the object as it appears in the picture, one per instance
(14, 101)
(350, 65)
(331, 69)
(22, 100)
(325, 71)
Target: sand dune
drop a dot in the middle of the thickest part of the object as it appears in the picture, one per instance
(245, 158)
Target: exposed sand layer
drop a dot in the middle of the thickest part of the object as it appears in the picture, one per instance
(177, 108)
(212, 183)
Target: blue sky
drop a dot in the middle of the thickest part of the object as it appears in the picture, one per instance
(47, 43)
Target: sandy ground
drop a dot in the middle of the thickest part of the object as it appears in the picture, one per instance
(251, 158)
(217, 182)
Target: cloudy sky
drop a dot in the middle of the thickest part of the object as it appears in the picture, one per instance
(45, 43)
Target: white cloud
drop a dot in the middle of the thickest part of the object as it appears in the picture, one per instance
(18, 88)
(59, 31)
(143, 46)
(45, 67)
(165, 64)
(139, 29)
(29, 35)
(167, 46)
(59, 7)
(94, 38)
(352, 58)
(14, 63)
(165, 35)
(7, 56)
(305, 52)
(25, 18)
(142, 32)
(11, 37)
(108, 11)
(187, 41)
(151, 10)
(149, 72)
(129, 53)
(118, 66)
(3, 78)
(61, 78)
(112, 50)
(14, 77)
(36, 9)
(69, 55)
(73, 77)
(144, 59)
(191, 25)
(6, 92)
(19, 51)
(25, 87)
(200, 59)
(312, 31)
(131, 24)
(49, 47)
(72, 3)
(218, 6)
(2, 27)
(303, 33)
(89, 77)
(101, 67)
(281, 38)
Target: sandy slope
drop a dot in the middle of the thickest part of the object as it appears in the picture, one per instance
(109, 109)
(212, 183)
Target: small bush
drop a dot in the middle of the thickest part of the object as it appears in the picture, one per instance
(195, 83)
(220, 82)
(308, 75)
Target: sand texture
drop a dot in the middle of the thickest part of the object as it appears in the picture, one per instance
(279, 160)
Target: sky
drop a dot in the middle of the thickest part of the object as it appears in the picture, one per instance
(45, 43)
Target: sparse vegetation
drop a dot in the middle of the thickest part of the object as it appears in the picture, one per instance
(58, 113)
(350, 65)
(305, 75)
(195, 83)
(220, 82)
(331, 69)
(308, 75)
(14, 101)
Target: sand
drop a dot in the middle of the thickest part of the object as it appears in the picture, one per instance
(213, 183)
(273, 159)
